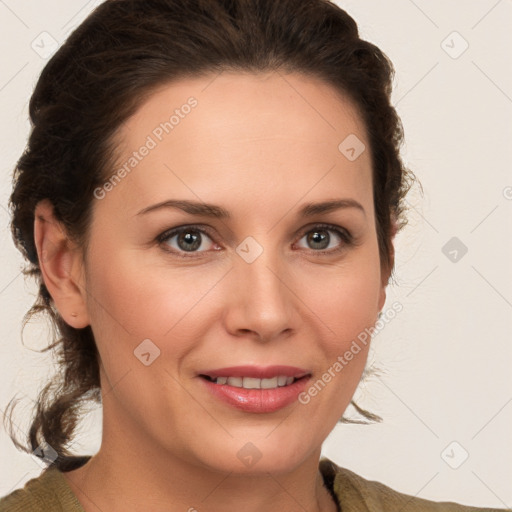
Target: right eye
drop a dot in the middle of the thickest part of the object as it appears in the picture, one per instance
(188, 239)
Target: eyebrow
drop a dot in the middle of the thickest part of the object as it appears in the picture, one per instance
(214, 211)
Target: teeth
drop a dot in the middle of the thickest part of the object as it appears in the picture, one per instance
(235, 381)
(253, 383)
(269, 383)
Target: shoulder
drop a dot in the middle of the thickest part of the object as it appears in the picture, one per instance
(356, 493)
(47, 492)
(38, 494)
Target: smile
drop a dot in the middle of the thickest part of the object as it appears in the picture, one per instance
(255, 389)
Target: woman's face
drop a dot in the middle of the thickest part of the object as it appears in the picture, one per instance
(264, 285)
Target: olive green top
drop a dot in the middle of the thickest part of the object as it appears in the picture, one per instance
(353, 493)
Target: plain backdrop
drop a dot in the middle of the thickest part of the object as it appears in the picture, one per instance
(445, 387)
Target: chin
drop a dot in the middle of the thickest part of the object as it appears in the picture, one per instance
(259, 456)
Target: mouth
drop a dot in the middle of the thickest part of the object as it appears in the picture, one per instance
(256, 389)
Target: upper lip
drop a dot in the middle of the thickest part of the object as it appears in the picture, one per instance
(257, 372)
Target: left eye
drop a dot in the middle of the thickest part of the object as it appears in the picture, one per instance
(319, 239)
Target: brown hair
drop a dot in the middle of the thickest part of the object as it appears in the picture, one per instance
(108, 66)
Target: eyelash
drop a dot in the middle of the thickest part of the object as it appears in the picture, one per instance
(343, 234)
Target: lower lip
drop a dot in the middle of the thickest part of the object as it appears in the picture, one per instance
(257, 400)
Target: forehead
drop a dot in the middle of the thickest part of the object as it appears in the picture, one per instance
(253, 103)
(252, 132)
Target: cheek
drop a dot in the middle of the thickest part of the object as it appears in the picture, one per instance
(129, 293)
(345, 299)
(345, 307)
(130, 299)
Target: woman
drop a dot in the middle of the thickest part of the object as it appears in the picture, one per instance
(209, 199)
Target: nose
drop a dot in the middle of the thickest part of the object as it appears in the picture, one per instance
(262, 303)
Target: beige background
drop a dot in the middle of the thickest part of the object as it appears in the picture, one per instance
(446, 357)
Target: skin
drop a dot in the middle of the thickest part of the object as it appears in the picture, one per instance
(260, 146)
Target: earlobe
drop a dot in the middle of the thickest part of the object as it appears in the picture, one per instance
(61, 264)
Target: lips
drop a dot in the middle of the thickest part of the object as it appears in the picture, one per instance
(256, 389)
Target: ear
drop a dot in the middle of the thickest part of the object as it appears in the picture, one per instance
(61, 266)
